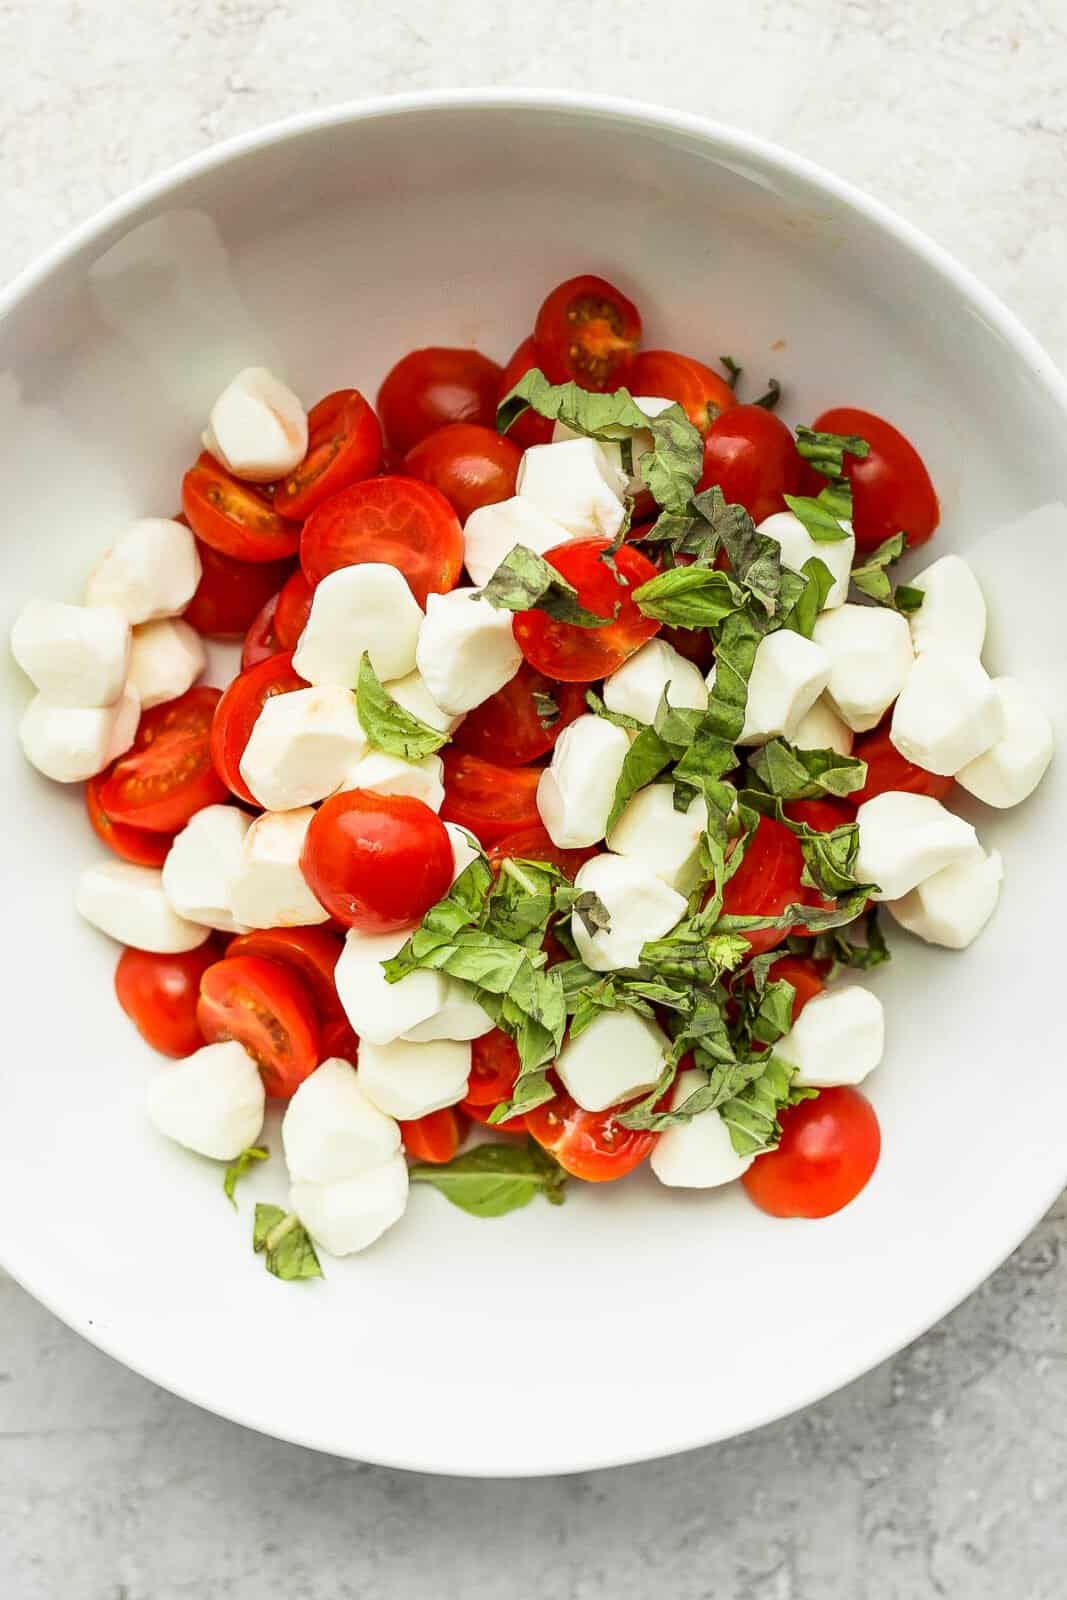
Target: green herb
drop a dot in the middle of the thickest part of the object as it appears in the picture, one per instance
(386, 723)
(619, 718)
(645, 760)
(733, 371)
(592, 913)
(284, 1243)
(748, 1095)
(818, 580)
(825, 452)
(842, 951)
(755, 560)
(524, 581)
(547, 709)
(770, 398)
(688, 597)
(871, 577)
(493, 1179)
(238, 1167)
(793, 774)
(823, 517)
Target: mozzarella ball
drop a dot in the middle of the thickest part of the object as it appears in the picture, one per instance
(618, 1056)
(212, 1102)
(698, 1154)
(349, 1215)
(577, 483)
(302, 747)
(788, 675)
(797, 546)
(166, 659)
(947, 714)
(128, 904)
(904, 838)
(822, 729)
(70, 744)
(839, 1037)
(652, 834)
(460, 1017)
(576, 793)
(369, 608)
(380, 1011)
(640, 905)
(953, 906)
(258, 428)
(331, 1130)
(952, 616)
(636, 688)
(466, 649)
(203, 864)
(269, 889)
(641, 440)
(382, 774)
(75, 655)
(411, 692)
(1014, 765)
(492, 532)
(465, 848)
(152, 571)
(408, 1080)
(869, 648)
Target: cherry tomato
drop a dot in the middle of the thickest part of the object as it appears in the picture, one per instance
(888, 769)
(344, 446)
(751, 455)
(138, 845)
(587, 331)
(695, 644)
(231, 593)
(429, 388)
(481, 1114)
(701, 393)
(534, 844)
(312, 953)
(261, 640)
(269, 1010)
(491, 801)
(580, 655)
(507, 728)
(167, 775)
(472, 466)
(494, 1069)
(822, 815)
(408, 525)
(233, 517)
(766, 882)
(588, 1144)
(377, 862)
(891, 488)
(829, 1149)
(530, 429)
(159, 995)
(435, 1137)
(294, 608)
(804, 977)
(337, 1038)
(236, 713)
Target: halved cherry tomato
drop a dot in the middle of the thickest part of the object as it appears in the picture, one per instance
(804, 977)
(829, 1150)
(269, 1010)
(766, 882)
(888, 769)
(481, 1114)
(588, 1144)
(701, 393)
(508, 727)
(167, 775)
(587, 331)
(233, 517)
(891, 488)
(401, 522)
(159, 995)
(435, 1137)
(138, 845)
(231, 593)
(377, 862)
(751, 455)
(311, 952)
(294, 608)
(529, 429)
(494, 1069)
(471, 465)
(344, 446)
(429, 388)
(491, 801)
(338, 1038)
(581, 655)
(236, 713)
(534, 844)
(261, 641)
(822, 815)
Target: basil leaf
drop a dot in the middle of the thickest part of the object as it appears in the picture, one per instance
(524, 581)
(837, 947)
(285, 1244)
(547, 708)
(818, 580)
(829, 856)
(733, 371)
(871, 578)
(793, 774)
(672, 468)
(908, 599)
(239, 1166)
(493, 1179)
(825, 452)
(677, 725)
(645, 760)
(592, 913)
(815, 918)
(619, 718)
(688, 597)
(522, 900)
(386, 723)
(755, 560)
(752, 1115)
(823, 516)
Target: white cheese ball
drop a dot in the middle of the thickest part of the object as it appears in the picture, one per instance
(152, 571)
(1011, 769)
(797, 546)
(698, 1154)
(351, 1214)
(660, 839)
(870, 654)
(380, 1011)
(461, 1016)
(904, 838)
(636, 688)
(369, 608)
(492, 532)
(331, 1130)
(839, 1037)
(258, 428)
(411, 692)
(70, 744)
(381, 774)
(617, 1057)
(128, 903)
(953, 613)
(269, 889)
(302, 747)
(212, 1102)
(822, 729)
(75, 655)
(788, 675)
(577, 483)
(576, 793)
(202, 866)
(640, 907)
(641, 440)
(466, 649)
(948, 713)
(166, 659)
(408, 1080)
(953, 906)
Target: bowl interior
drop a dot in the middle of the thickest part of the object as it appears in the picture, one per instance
(550, 1339)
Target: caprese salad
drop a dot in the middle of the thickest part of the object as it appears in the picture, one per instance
(579, 739)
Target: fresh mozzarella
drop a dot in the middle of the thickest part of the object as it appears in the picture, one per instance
(407, 1080)
(269, 890)
(302, 747)
(788, 675)
(465, 848)
(698, 1154)
(660, 839)
(152, 571)
(637, 687)
(1013, 767)
(167, 657)
(904, 838)
(128, 904)
(641, 440)
(953, 613)
(212, 1102)
(616, 1057)
(203, 864)
(797, 546)
(578, 483)
(369, 608)
(75, 655)
(460, 1017)
(491, 532)
(380, 1011)
(576, 793)
(466, 649)
(870, 654)
(69, 743)
(948, 713)
(953, 906)
(411, 692)
(258, 428)
(331, 1130)
(640, 907)
(838, 1038)
(383, 774)
(822, 729)
(349, 1215)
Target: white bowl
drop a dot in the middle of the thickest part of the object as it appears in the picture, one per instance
(634, 1321)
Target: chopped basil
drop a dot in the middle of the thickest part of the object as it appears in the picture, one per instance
(547, 709)
(645, 760)
(733, 371)
(748, 1095)
(592, 913)
(824, 516)
(688, 597)
(386, 723)
(524, 581)
(284, 1243)
(793, 774)
(238, 1167)
(825, 452)
(619, 718)
(493, 1179)
(837, 947)
(817, 581)
(871, 577)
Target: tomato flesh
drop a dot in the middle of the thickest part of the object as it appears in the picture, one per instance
(490, 800)
(231, 594)
(344, 446)
(159, 994)
(167, 775)
(139, 845)
(587, 332)
(399, 521)
(472, 466)
(702, 393)
(588, 1144)
(827, 1155)
(494, 1069)
(312, 953)
(377, 862)
(294, 608)
(233, 517)
(752, 456)
(564, 651)
(530, 428)
(511, 728)
(891, 488)
(435, 1137)
(268, 1009)
(261, 641)
(427, 389)
(236, 713)
(534, 844)
(888, 769)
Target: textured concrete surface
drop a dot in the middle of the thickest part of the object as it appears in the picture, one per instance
(944, 1472)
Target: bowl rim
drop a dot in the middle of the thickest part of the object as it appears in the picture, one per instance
(729, 140)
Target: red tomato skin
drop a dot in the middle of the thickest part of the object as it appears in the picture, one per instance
(481, 1114)
(294, 608)
(472, 466)
(563, 651)
(231, 594)
(494, 1069)
(507, 727)
(159, 995)
(377, 862)
(822, 815)
(407, 524)
(891, 488)
(268, 1009)
(766, 882)
(534, 844)
(828, 1152)
(434, 1138)
(666, 375)
(751, 455)
(888, 769)
(432, 387)
(312, 953)
(261, 641)
(490, 800)
(338, 1038)
(529, 429)
(344, 446)
(236, 713)
(143, 848)
(804, 977)
(167, 774)
(587, 332)
(591, 1145)
(695, 644)
(233, 517)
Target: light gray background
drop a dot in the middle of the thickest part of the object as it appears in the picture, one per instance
(945, 1471)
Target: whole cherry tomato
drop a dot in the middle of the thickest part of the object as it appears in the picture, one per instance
(751, 455)
(891, 488)
(159, 995)
(515, 725)
(828, 1152)
(581, 655)
(167, 775)
(269, 1010)
(233, 517)
(231, 593)
(665, 375)
(429, 388)
(588, 1144)
(435, 1137)
(139, 845)
(236, 713)
(472, 466)
(377, 862)
(534, 844)
(530, 428)
(490, 800)
(587, 332)
(766, 882)
(401, 522)
(344, 446)
(888, 769)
